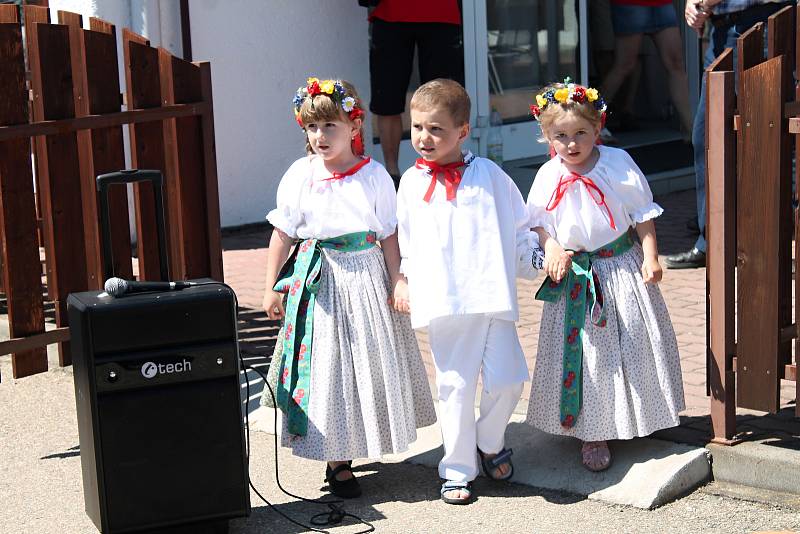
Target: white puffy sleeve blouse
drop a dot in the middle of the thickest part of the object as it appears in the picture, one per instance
(311, 206)
(582, 219)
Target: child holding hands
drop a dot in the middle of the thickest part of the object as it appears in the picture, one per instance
(351, 379)
(464, 235)
(607, 365)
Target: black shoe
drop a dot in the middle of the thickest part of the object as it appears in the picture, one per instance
(346, 489)
(692, 226)
(686, 260)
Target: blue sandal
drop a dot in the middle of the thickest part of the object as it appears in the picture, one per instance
(452, 485)
(490, 465)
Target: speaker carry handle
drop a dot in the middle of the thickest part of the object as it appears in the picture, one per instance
(129, 176)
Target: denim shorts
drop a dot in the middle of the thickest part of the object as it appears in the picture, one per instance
(630, 19)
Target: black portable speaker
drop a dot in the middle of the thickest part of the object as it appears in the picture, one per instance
(159, 409)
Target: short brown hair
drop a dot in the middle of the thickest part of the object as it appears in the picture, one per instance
(444, 94)
(322, 108)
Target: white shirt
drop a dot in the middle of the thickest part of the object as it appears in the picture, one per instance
(308, 206)
(462, 256)
(578, 222)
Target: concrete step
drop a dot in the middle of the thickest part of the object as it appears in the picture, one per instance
(645, 473)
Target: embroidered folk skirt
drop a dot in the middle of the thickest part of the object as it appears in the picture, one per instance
(632, 384)
(369, 391)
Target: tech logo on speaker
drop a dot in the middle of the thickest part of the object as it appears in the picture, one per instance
(149, 370)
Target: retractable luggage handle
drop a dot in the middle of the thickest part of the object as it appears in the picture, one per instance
(129, 176)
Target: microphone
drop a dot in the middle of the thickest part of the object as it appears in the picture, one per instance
(117, 287)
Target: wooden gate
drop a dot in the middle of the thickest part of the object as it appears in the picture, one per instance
(67, 112)
(750, 215)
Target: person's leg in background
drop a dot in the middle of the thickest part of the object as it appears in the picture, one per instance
(617, 87)
(696, 256)
(440, 48)
(391, 56)
(670, 48)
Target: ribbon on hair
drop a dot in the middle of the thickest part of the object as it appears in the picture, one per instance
(597, 195)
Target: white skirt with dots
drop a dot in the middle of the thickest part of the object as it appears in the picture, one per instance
(632, 384)
(369, 390)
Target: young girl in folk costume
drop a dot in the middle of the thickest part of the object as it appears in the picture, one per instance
(351, 382)
(607, 365)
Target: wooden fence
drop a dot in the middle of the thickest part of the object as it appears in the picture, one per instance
(64, 106)
(750, 117)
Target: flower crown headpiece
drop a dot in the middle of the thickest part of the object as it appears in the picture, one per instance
(334, 89)
(571, 91)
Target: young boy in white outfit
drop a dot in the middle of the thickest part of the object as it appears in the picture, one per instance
(464, 238)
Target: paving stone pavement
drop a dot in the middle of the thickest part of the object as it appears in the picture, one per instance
(244, 259)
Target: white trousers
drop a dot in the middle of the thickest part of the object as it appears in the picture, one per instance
(463, 347)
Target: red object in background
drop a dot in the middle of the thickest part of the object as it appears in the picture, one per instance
(443, 11)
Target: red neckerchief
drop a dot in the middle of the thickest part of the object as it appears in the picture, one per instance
(449, 172)
(597, 195)
(349, 172)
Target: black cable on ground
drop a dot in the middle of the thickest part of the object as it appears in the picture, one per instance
(335, 514)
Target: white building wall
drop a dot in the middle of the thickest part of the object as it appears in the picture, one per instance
(260, 52)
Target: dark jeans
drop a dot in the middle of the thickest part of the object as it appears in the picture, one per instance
(721, 37)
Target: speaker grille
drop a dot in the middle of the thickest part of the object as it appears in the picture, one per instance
(172, 454)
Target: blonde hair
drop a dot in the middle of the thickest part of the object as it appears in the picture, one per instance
(442, 93)
(555, 111)
(323, 108)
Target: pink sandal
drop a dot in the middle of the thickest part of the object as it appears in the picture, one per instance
(595, 455)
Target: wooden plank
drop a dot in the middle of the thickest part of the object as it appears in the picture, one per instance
(720, 227)
(36, 15)
(211, 181)
(751, 49)
(189, 192)
(20, 249)
(59, 169)
(758, 226)
(173, 177)
(790, 372)
(94, 65)
(780, 41)
(797, 214)
(780, 34)
(57, 335)
(9, 13)
(90, 122)
(147, 146)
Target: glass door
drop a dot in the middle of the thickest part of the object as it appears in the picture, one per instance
(512, 48)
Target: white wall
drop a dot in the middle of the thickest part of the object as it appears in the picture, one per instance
(260, 52)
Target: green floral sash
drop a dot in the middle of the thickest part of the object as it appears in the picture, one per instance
(299, 278)
(583, 289)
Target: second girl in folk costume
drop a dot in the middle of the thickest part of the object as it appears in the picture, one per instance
(607, 365)
(351, 382)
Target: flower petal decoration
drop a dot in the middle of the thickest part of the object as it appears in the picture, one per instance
(592, 94)
(541, 101)
(561, 95)
(326, 87)
(334, 89)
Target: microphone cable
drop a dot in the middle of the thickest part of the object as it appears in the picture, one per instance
(336, 513)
